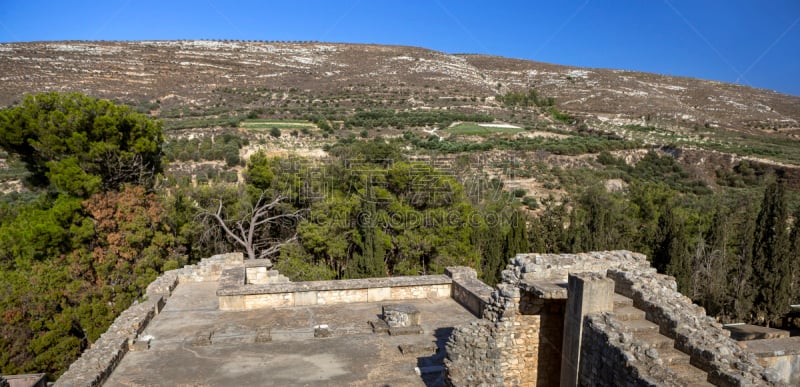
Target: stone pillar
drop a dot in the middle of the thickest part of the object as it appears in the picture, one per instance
(587, 293)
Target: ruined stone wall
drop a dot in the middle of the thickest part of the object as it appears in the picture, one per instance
(610, 357)
(477, 353)
(518, 336)
(468, 290)
(557, 267)
(710, 347)
(523, 326)
(507, 348)
(97, 362)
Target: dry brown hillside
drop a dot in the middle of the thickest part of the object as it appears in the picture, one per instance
(194, 72)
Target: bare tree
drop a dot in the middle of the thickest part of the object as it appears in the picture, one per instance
(252, 227)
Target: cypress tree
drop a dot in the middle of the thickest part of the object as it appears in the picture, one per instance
(771, 258)
(794, 258)
(671, 254)
(714, 268)
(493, 259)
(516, 242)
(369, 263)
(742, 290)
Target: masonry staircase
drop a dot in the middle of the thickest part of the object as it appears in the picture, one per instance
(647, 332)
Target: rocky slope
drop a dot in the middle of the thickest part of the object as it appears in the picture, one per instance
(194, 72)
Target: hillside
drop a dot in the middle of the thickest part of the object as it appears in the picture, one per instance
(198, 74)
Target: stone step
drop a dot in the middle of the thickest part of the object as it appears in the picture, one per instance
(690, 375)
(621, 301)
(640, 326)
(655, 340)
(672, 356)
(627, 313)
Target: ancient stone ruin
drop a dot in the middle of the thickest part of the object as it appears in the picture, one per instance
(601, 318)
(597, 319)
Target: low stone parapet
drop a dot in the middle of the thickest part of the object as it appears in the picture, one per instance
(468, 290)
(235, 294)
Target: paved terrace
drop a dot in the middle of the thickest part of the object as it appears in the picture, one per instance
(195, 343)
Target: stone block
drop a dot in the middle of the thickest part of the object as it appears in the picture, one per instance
(418, 349)
(305, 298)
(401, 315)
(231, 303)
(141, 344)
(402, 331)
(159, 303)
(379, 294)
(263, 335)
(322, 330)
(379, 326)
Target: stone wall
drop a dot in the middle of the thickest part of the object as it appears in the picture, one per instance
(781, 355)
(710, 347)
(97, 362)
(476, 353)
(557, 267)
(518, 341)
(524, 321)
(611, 357)
(235, 294)
(468, 290)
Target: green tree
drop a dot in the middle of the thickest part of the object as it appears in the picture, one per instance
(494, 259)
(80, 144)
(712, 265)
(370, 261)
(742, 284)
(516, 239)
(671, 254)
(771, 258)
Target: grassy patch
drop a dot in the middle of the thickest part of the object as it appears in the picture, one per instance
(473, 129)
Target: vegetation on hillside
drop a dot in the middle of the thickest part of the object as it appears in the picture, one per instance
(100, 218)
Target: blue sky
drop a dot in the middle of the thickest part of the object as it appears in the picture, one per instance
(752, 42)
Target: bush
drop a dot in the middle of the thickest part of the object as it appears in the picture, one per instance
(530, 202)
(275, 132)
(519, 192)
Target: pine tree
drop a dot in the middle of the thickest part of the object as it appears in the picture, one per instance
(771, 258)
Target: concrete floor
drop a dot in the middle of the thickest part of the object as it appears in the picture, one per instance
(352, 356)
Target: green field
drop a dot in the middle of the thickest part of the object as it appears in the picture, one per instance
(280, 124)
(470, 128)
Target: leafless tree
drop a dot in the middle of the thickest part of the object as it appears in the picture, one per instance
(251, 227)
